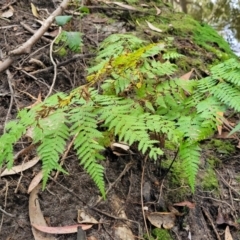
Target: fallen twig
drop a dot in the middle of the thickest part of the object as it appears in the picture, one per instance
(34, 31)
(227, 184)
(211, 221)
(9, 78)
(53, 62)
(144, 218)
(8, 214)
(74, 58)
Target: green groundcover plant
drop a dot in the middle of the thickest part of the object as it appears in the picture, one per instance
(138, 93)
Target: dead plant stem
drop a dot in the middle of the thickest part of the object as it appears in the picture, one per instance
(142, 178)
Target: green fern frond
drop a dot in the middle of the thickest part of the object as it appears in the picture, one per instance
(162, 69)
(131, 128)
(228, 94)
(116, 44)
(84, 127)
(52, 134)
(236, 129)
(189, 153)
(189, 127)
(6, 144)
(206, 84)
(159, 124)
(72, 39)
(14, 131)
(209, 107)
(228, 70)
(172, 55)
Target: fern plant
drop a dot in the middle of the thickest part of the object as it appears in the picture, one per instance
(140, 93)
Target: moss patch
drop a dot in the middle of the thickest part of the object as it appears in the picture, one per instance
(192, 38)
(209, 179)
(160, 234)
(223, 147)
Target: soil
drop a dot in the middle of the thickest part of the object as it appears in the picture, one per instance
(63, 197)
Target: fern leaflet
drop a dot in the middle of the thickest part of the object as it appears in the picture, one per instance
(189, 152)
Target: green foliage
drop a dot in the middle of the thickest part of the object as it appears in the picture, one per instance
(189, 152)
(51, 134)
(200, 33)
(209, 180)
(62, 20)
(160, 234)
(140, 93)
(73, 40)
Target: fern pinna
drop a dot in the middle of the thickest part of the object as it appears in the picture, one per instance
(138, 95)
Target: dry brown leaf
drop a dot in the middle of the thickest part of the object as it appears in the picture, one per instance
(29, 68)
(225, 219)
(36, 216)
(123, 146)
(187, 75)
(238, 146)
(175, 211)
(34, 11)
(29, 133)
(38, 100)
(158, 10)
(144, 5)
(35, 181)
(220, 218)
(153, 27)
(8, 13)
(120, 149)
(83, 217)
(225, 135)
(123, 233)
(122, 230)
(162, 219)
(20, 168)
(185, 204)
(228, 235)
(220, 121)
(62, 230)
(124, 5)
(91, 238)
(53, 33)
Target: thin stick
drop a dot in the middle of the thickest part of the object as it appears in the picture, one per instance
(74, 58)
(174, 159)
(33, 32)
(227, 184)
(8, 214)
(144, 218)
(5, 204)
(111, 185)
(65, 155)
(211, 221)
(53, 62)
(9, 79)
(214, 199)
